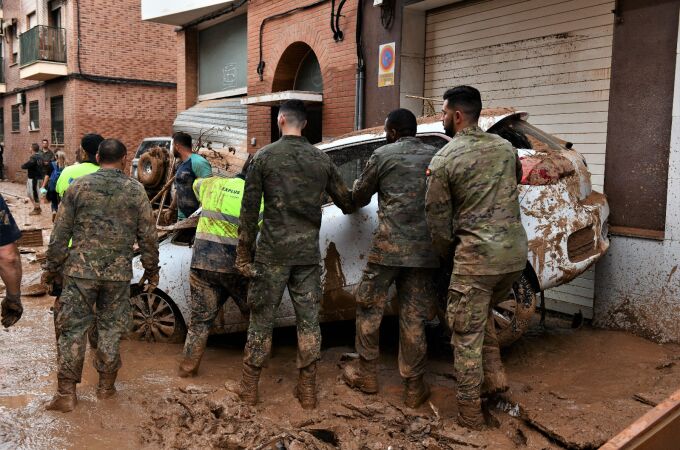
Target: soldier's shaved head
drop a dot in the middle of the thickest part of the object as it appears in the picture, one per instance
(402, 122)
(111, 151)
(466, 99)
(295, 112)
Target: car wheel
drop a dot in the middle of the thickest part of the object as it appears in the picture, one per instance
(155, 318)
(150, 170)
(512, 316)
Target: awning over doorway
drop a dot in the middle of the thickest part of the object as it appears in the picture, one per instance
(276, 98)
(222, 122)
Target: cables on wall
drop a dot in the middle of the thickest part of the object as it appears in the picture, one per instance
(338, 35)
(387, 10)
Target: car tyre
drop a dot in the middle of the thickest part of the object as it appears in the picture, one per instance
(150, 170)
(513, 316)
(155, 317)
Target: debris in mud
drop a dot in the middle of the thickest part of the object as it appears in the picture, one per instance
(34, 290)
(508, 407)
(220, 420)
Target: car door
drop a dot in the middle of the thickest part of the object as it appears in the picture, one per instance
(346, 240)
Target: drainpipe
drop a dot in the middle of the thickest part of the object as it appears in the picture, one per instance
(361, 72)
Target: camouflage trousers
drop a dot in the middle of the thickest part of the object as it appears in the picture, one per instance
(417, 300)
(469, 312)
(209, 291)
(264, 297)
(82, 304)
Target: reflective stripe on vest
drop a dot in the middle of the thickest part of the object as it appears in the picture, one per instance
(219, 239)
(219, 216)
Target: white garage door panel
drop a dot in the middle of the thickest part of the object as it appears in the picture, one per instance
(550, 58)
(601, 16)
(580, 40)
(554, 12)
(531, 74)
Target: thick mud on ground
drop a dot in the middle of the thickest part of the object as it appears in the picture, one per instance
(570, 388)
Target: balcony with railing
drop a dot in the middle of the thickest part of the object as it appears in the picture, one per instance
(42, 53)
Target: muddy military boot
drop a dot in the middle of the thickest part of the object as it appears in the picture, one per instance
(65, 399)
(416, 391)
(362, 375)
(248, 389)
(495, 381)
(305, 391)
(106, 387)
(470, 414)
(189, 365)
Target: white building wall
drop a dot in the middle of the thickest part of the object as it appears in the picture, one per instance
(638, 282)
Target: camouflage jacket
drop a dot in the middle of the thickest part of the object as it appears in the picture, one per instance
(472, 204)
(397, 173)
(292, 175)
(104, 213)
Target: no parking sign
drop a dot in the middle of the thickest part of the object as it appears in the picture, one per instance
(388, 59)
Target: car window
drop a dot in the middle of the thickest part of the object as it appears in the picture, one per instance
(351, 160)
(522, 134)
(145, 146)
(435, 140)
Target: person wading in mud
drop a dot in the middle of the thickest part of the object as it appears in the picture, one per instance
(292, 175)
(213, 278)
(34, 172)
(402, 254)
(104, 213)
(473, 213)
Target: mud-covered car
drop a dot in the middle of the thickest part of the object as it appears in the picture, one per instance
(564, 219)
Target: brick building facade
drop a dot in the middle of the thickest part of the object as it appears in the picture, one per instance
(285, 43)
(118, 77)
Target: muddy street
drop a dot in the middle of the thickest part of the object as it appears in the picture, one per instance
(569, 388)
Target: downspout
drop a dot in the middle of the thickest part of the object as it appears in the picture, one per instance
(361, 71)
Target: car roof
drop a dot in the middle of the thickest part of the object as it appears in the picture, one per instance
(426, 124)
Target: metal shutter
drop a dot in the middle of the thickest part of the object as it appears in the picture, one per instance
(551, 58)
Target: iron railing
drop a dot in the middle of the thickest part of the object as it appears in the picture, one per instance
(42, 43)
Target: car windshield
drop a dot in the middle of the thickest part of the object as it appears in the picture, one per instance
(522, 134)
(145, 146)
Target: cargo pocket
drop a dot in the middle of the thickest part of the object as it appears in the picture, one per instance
(458, 313)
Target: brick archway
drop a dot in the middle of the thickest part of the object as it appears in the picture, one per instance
(285, 76)
(288, 66)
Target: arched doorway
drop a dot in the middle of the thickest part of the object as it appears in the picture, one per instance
(299, 70)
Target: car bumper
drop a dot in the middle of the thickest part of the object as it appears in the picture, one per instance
(571, 236)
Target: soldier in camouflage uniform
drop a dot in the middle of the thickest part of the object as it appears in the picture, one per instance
(473, 214)
(402, 254)
(293, 176)
(104, 214)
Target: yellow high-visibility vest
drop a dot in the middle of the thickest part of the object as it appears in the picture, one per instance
(220, 200)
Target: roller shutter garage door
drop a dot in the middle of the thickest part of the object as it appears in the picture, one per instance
(551, 58)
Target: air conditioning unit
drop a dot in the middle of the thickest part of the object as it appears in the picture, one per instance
(21, 98)
(2, 27)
